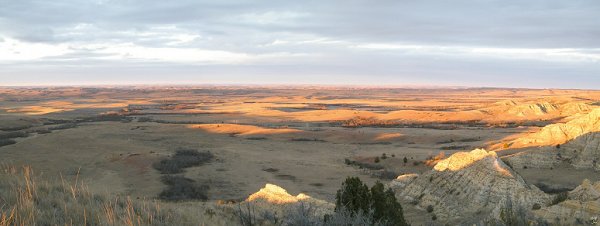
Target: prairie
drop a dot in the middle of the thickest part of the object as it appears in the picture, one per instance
(305, 139)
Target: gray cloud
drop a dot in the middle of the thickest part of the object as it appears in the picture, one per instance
(481, 42)
(537, 23)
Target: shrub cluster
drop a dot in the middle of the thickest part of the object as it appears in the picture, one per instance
(356, 198)
(560, 197)
(365, 165)
(7, 142)
(384, 174)
(63, 126)
(307, 139)
(367, 122)
(183, 158)
(552, 189)
(179, 187)
(108, 117)
(14, 134)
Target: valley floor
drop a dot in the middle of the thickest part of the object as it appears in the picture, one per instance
(305, 140)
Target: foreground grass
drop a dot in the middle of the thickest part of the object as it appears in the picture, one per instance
(27, 201)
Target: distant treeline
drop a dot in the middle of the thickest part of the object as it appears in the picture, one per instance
(357, 122)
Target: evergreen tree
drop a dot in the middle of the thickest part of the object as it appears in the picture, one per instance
(355, 197)
(386, 208)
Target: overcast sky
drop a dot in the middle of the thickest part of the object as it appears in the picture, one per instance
(504, 43)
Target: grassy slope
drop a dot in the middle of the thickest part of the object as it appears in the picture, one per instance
(26, 201)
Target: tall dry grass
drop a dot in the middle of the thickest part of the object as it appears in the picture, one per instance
(24, 200)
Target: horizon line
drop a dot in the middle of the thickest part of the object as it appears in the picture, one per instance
(286, 85)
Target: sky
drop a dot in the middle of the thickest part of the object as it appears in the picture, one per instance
(503, 43)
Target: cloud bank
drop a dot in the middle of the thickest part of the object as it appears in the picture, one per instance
(472, 43)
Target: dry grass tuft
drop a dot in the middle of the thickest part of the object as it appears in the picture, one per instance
(27, 201)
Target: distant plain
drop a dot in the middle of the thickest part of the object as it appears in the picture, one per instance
(305, 139)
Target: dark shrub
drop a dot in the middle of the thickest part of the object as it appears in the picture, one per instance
(405, 160)
(348, 161)
(63, 126)
(181, 188)
(552, 189)
(7, 142)
(110, 117)
(14, 134)
(429, 208)
(385, 174)
(560, 197)
(455, 147)
(15, 128)
(42, 131)
(271, 170)
(536, 206)
(365, 165)
(182, 158)
(376, 159)
(470, 139)
(307, 139)
(144, 119)
(167, 166)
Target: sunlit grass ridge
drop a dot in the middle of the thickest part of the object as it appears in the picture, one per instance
(27, 201)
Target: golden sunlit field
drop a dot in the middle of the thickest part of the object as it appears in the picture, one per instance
(304, 139)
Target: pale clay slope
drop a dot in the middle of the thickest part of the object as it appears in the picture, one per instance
(512, 107)
(503, 111)
(581, 207)
(274, 194)
(562, 132)
(481, 177)
(586, 191)
(478, 176)
(579, 141)
(539, 108)
(277, 199)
